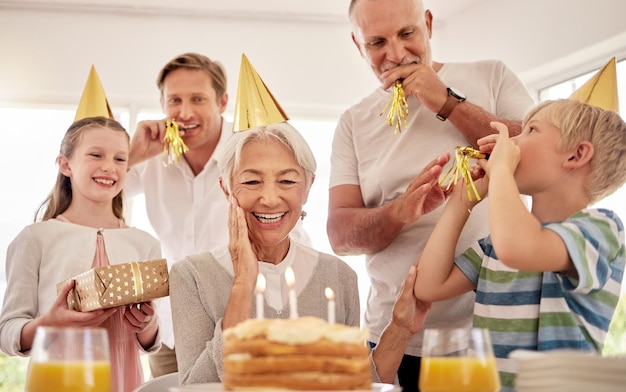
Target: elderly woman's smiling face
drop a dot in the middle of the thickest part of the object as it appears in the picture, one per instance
(271, 188)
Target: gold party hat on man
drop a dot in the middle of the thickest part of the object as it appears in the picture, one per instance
(255, 105)
(601, 89)
(93, 101)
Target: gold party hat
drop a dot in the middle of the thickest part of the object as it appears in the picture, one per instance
(601, 89)
(93, 101)
(255, 105)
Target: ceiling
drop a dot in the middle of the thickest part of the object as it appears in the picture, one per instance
(319, 11)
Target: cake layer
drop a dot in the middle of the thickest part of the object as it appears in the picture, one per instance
(241, 364)
(298, 354)
(304, 330)
(261, 347)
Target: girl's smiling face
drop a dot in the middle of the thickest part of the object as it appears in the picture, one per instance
(98, 165)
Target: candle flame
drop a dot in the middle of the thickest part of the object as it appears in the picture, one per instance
(289, 276)
(260, 283)
(330, 294)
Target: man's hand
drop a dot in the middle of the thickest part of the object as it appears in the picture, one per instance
(147, 141)
(420, 80)
(423, 193)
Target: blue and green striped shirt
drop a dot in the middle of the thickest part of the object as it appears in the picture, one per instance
(548, 310)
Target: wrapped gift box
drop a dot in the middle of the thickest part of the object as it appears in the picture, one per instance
(117, 285)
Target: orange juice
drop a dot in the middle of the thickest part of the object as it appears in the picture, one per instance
(454, 374)
(69, 376)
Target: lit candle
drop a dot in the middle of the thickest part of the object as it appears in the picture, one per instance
(330, 296)
(293, 300)
(260, 289)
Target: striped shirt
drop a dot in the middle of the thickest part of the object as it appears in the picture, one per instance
(548, 310)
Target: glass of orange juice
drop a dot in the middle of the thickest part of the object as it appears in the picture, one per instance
(472, 369)
(69, 359)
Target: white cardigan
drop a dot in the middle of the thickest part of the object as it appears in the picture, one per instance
(46, 253)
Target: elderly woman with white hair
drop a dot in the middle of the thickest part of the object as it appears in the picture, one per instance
(266, 173)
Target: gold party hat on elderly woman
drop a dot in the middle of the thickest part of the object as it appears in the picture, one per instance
(93, 102)
(601, 89)
(255, 105)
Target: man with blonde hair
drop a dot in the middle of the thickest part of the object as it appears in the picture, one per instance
(183, 201)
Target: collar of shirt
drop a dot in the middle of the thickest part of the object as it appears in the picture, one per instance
(302, 259)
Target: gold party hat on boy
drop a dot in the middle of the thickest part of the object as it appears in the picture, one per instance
(93, 101)
(255, 105)
(601, 89)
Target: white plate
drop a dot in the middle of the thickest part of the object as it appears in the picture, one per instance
(376, 387)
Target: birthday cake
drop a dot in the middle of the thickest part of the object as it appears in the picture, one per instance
(306, 353)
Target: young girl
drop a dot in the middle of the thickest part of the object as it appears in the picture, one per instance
(82, 227)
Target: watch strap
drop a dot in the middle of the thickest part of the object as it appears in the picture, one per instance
(454, 98)
(447, 108)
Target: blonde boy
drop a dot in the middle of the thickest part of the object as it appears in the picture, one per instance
(557, 275)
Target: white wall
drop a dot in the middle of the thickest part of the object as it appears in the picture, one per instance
(49, 54)
(312, 68)
(544, 41)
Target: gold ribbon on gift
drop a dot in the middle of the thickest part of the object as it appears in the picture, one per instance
(119, 284)
(461, 169)
(174, 146)
(137, 281)
(398, 108)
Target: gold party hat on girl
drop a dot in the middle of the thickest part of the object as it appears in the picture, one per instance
(255, 105)
(93, 102)
(601, 89)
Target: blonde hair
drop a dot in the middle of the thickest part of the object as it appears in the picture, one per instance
(60, 197)
(605, 130)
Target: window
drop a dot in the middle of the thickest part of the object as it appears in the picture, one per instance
(31, 145)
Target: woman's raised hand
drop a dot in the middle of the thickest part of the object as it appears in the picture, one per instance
(245, 263)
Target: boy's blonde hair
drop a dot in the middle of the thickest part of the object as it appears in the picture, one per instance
(605, 130)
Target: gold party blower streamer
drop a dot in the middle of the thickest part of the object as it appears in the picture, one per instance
(173, 147)
(461, 169)
(398, 108)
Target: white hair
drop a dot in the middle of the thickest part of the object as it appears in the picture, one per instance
(229, 155)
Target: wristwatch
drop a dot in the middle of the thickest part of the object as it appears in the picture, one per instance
(455, 97)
